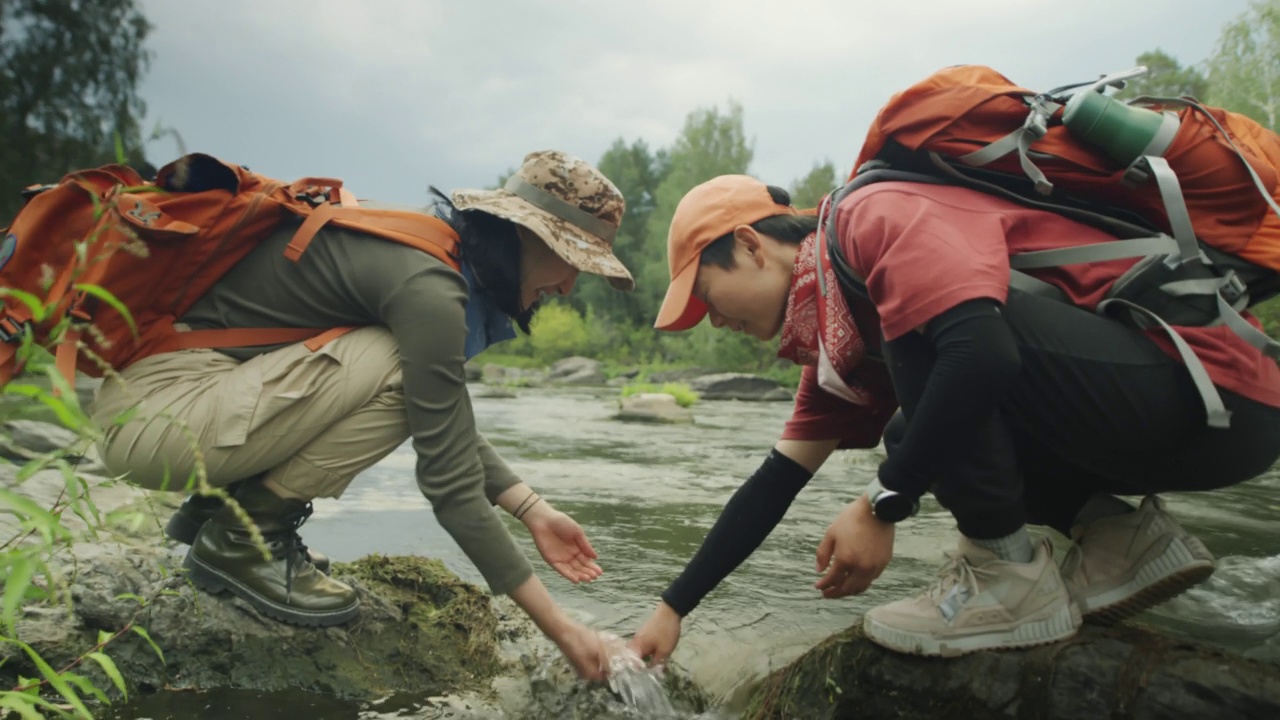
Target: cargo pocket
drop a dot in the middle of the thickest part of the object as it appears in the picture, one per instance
(281, 387)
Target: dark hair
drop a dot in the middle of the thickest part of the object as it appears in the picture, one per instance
(790, 229)
(492, 248)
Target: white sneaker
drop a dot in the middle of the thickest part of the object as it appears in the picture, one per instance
(1120, 565)
(979, 602)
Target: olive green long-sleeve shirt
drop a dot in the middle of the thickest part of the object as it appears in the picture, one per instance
(346, 278)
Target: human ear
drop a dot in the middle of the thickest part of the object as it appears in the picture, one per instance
(749, 241)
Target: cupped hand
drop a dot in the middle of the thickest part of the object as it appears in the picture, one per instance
(658, 637)
(854, 551)
(562, 543)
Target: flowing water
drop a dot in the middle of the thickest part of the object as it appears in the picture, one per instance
(646, 494)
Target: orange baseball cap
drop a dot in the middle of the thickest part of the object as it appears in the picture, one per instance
(705, 214)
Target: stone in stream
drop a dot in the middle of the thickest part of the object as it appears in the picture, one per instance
(738, 386)
(576, 371)
(1125, 671)
(653, 407)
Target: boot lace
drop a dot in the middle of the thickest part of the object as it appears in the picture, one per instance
(286, 544)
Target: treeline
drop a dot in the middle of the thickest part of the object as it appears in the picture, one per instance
(1243, 75)
(69, 73)
(599, 321)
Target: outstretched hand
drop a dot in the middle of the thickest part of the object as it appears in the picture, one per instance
(562, 543)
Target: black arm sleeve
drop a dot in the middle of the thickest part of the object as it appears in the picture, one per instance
(747, 519)
(975, 361)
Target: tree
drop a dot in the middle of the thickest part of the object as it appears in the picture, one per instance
(712, 143)
(1166, 78)
(637, 172)
(1244, 71)
(69, 72)
(809, 190)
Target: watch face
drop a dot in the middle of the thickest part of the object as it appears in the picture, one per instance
(892, 507)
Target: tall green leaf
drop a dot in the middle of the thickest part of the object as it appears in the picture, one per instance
(109, 667)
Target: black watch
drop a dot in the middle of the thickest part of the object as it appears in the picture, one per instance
(889, 506)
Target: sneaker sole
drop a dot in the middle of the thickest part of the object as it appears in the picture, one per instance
(1062, 625)
(1182, 566)
(214, 581)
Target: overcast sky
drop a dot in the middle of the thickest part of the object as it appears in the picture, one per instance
(393, 95)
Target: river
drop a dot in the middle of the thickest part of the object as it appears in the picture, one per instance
(646, 494)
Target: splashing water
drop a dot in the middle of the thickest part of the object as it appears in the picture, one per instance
(638, 686)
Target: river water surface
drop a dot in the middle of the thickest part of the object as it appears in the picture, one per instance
(646, 495)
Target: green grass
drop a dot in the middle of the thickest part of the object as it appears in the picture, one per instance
(681, 392)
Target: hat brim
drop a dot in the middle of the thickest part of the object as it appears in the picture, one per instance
(579, 248)
(680, 309)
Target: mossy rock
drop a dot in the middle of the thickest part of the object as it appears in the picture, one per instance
(1126, 671)
(449, 630)
(421, 630)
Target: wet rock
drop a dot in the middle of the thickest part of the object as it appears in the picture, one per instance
(472, 371)
(738, 386)
(576, 371)
(419, 630)
(494, 392)
(1127, 671)
(653, 407)
(680, 375)
(518, 377)
(555, 693)
(39, 437)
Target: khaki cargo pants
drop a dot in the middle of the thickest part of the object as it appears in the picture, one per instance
(311, 421)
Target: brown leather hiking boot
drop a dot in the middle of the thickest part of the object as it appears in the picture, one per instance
(196, 510)
(287, 586)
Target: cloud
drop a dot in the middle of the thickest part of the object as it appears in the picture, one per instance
(394, 95)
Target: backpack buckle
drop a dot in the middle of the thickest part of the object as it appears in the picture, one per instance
(1233, 288)
(12, 331)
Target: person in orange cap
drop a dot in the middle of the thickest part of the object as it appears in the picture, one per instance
(1010, 407)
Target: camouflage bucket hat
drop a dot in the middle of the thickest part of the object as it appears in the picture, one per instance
(567, 203)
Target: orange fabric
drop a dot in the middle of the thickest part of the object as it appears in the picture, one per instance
(157, 248)
(962, 109)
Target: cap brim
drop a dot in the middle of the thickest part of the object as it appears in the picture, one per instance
(680, 309)
(579, 248)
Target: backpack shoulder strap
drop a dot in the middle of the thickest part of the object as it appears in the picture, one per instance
(871, 174)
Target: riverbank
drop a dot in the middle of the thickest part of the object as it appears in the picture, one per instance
(117, 588)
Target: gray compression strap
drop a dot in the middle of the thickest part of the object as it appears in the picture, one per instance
(1097, 252)
(1120, 228)
(1175, 208)
(1184, 102)
(1035, 286)
(571, 214)
(1216, 413)
(1035, 127)
(1228, 314)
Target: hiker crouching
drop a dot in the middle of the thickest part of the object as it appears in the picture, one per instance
(280, 425)
(1011, 408)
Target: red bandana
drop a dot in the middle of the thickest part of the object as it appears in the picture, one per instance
(817, 324)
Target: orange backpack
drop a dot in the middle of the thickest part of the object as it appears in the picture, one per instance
(1191, 190)
(975, 119)
(104, 240)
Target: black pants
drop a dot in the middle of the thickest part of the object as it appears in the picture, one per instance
(1096, 408)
